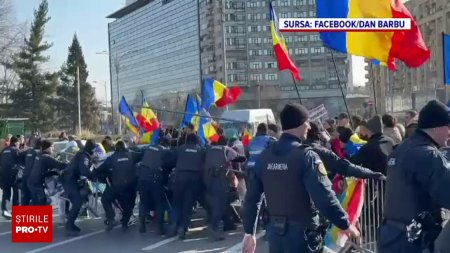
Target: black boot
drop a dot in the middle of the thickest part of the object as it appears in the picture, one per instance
(142, 224)
(181, 233)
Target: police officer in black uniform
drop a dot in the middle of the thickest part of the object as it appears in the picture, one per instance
(29, 161)
(74, 183)
(217, 162)
(43, 166)
(333, 163)
(121, 184)
(187, 184)
(153, 170)
(11, 157)
(292, 177)
(418, 179)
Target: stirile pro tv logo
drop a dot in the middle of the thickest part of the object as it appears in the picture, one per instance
(32, 224)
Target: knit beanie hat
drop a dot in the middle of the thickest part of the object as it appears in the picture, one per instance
(375, 125)
(293, 115)
(434, 114)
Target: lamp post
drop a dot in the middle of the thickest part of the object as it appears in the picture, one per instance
(106, 98)
(117, 65)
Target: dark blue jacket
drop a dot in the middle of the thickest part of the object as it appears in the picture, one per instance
(256, 147)
(418, 179)
(317, 185)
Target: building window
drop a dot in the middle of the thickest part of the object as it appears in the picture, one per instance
(301, 14)
(285, 15)
(255, 65)
(301, 51)
(269, 51)
(166, 1)
(284, 3)
(271, 77)
(314, 37)
(253, 29)
(317, 50)
(311, 2)
(256, 77)
(252, 4)
(299, 2)
(271, 65)
(312, 14)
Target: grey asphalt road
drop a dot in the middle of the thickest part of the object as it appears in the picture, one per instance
(93, 238)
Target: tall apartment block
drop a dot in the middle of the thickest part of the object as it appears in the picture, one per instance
(236, 34)
(167, 47)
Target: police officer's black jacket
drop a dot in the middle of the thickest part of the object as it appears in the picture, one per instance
(418, 179)
(155, 159)
(79, 167)
(190, 158)
(292, 177)
(29, 161)
(43, 163)
(340, 166)
(10, 157)
(120, 168)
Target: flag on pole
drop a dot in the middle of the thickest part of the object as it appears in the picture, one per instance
(246, 138)
(279, 46)
(128, 116)
(446, 55)
(191, 113)
(385, 47)
(147, 119)
(216, 93)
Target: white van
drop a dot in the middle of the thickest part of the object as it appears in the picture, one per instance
(246, 118)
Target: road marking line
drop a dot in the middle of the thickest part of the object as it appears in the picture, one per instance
(195, 239)
(68, 241)
(203, 251)
(159, 244)
(238, 247)
(5, 233)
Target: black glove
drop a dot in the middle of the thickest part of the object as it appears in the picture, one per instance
(379, 176)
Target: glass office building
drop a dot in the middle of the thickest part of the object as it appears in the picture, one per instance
(154, 47)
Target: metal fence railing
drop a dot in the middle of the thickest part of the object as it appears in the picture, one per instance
(372, 213)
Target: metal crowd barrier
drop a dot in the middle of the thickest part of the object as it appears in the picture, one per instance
(371, 214)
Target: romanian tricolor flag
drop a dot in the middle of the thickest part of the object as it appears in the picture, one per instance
(246, 138)
(206, 130)
(150, 137)
(279, 46)
(351, 197)
(147, 119)
(128, 116)
(216, 93)
(407, 46)
(191, 113)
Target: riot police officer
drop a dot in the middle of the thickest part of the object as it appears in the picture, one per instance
(217, 162)
(11, 156)
(154, 168)
(186, 184)
(29, 161)
(74, 183)
(292, 177)
(418, 176)
(121, 184)
(43, 166)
